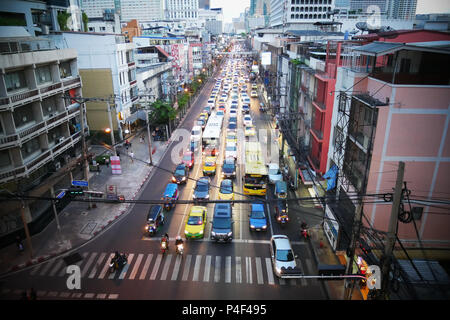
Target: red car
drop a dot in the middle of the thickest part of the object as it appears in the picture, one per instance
(188, 159)
(222, 107)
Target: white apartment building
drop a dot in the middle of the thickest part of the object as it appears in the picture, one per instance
(107, 68)
(289, 12)
(181, 9)
(128, 9)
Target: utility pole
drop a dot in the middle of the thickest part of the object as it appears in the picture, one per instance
(392, 231)
(25, 226)
(149, 138)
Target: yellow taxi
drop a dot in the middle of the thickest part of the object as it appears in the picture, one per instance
(231, 137)
(226, 190)
(204, 114)
(249, 131)
(209, 166)
(195, 224)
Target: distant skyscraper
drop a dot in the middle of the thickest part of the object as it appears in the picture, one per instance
(182, 9)
(203, 4)
(128, 10)
(402, 9)
(362, 5)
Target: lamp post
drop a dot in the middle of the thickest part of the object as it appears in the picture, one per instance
(110, 129)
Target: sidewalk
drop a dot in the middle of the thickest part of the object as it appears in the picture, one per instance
(79, 223)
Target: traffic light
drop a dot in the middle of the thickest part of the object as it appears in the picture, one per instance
(75, 191)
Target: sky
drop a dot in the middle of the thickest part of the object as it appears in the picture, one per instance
(233, 8)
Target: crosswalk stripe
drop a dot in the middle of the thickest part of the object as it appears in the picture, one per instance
(146, 265)
(166, 267)
(248, 266)
(176, 269)
(106, 266)
(269, 271)
(35, 270)
(62, 272)
(156, 267)
(46, 267)
(56, 268)
(97, 265)
(228, 269)
(198, 260)
(259, 272)
(217, 269)
(88, 264)
(127, 266)
(136, 266)
(187, 265)
(207, 269)
(238, 270)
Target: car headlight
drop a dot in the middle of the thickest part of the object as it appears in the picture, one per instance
(207, 196)
(213, 233)
(146, 227)
(264, 227)
(252, 226)
(264, 186)
(229, 234)
(278, 270)
(193, 196)
(201, 232)
(186, 232)
(184, 178)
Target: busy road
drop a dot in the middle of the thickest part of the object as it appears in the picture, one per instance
(239, 268)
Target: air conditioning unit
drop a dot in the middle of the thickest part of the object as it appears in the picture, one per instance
(366, 142)
(57, 165)
(60, 139)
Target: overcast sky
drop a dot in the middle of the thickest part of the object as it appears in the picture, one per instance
(233, 8)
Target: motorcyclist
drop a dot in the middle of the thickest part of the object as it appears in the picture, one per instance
(304, 225)
(178, 241)
(165, 239)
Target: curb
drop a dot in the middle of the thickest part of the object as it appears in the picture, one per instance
(316, 259)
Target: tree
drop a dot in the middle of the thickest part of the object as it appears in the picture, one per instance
(63, 17)
(85, 22)
(162, 112)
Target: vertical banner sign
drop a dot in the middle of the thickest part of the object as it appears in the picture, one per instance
(115, 165)
(111, 192)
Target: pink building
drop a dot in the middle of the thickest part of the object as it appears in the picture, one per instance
(393, 104)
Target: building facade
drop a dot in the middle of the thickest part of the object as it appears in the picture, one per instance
(181, 9)
(40, 127)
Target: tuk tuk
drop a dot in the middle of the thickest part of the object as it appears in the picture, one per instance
(281, 212)
(170, 195)
(281, 189)
(155, 220)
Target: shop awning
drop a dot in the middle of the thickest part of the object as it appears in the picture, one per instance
(307, 179)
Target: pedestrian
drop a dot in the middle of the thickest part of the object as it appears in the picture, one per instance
(142, 139)
(131, 156)
(33, 295)
(107, 162)
(126, 144)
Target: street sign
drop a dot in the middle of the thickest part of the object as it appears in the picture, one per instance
(61, 194)
(80, 183)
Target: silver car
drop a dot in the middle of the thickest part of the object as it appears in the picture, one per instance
(283, 258)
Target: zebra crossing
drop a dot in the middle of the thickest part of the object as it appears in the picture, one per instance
(171, 267)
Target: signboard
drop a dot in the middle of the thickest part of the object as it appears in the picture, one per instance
(61, 194)
(80, 183)
(331, 227)
(115, 165)
(266, 58)
(111, 192)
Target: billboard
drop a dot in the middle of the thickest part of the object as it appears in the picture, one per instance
(266, 58)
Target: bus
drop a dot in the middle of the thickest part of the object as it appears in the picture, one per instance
(255, 175)
(211, 134)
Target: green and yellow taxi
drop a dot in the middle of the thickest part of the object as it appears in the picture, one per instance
(249, 131)
(195, 224)
(209, 166)
(231, 137)
(226, 191)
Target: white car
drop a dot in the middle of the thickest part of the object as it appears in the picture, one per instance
(231, 150)
(233, 113)
(253, 94)
(274, 173)
(283, 258)
(248, 120)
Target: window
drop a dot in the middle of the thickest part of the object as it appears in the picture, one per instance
(405, 65)
(64, 69)
(43, 74)
(15, 80)
(30, 147)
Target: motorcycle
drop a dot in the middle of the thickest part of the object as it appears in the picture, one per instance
(304, 231)
(164, 247)
(118, 263)
(180, 249)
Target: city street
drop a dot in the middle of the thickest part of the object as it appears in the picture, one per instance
(241, 269)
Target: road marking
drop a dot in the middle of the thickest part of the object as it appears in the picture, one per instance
(248, 266)
(198, 260)
(64, 294)
(187, 265)
(238, 270)
(259, 272)
(106, 266)
(166, 267)
(176, 269)
(228, 269)
(97, 265)
(46, 267)
(217, 269)
(156, 267)
(146, 265)
(234, 240)
(125, 268)
(269, 271)
(136, 266)
(56, 268)
(207, 269)
(101, 296)
(89, 295)
(88, 264)
(113, 296)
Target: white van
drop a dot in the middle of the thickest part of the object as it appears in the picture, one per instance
(196, 133)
